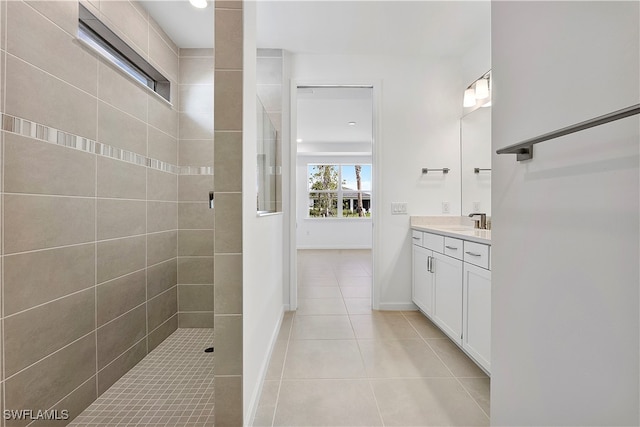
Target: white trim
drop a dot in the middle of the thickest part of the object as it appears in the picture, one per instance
(398, 306)
(335, 247)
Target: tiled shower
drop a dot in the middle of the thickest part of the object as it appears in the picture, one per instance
(108, 239)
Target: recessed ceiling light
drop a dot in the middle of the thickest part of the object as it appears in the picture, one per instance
(352, 123)
(299, 140)
(200, 4)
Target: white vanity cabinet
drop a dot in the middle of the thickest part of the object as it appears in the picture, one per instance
(452, 286)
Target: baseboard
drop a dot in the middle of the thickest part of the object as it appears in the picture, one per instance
(335, 247)
(255, 398)
(397, 306)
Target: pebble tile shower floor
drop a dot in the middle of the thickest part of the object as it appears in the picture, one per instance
(172, 386)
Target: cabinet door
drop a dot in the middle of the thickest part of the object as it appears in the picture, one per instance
(477, 314)
(422, 290)
(448, 295)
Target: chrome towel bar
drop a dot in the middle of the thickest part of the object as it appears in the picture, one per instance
(443, 170)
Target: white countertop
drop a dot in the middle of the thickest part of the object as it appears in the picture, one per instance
(456, 227)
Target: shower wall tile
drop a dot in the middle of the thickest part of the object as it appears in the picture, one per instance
(159, 334)
(229, 354)
(161, 247)
(126, 19)
(120, 366)
(118, 179)
(162, 146)
(162, 116)
(161, 277)
(229, 40)
(229, 403)
(196, 216)
(120, 218)
(197, 70)
(196, 98)
(74, 316)
(228, 161)
(195, 298)
(161, 185)
(161, 216)
(195, 270)
(116, 258)
(52, 378)
(196, 152)
(161, 308)
(228, 100)
(62, 13)
(121, 130)
(35, 167)
(228, 284)
(196, 320)
(32, 92)
(64, 270)
(196, 125)
(228, 221)
(116, 337)
(228, 4)
(78, 400)
(39, 222)
(161, 54)
(195, 242)
(194, 188)
(118, 296)
(120, 92)
(158, 29)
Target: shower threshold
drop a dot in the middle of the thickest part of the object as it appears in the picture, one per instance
(172, 386)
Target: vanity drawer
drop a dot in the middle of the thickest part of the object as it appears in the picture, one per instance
(477, 254)
(434, 242)
(453, 247)
(416, 237)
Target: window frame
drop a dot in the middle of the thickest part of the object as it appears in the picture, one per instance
(339, 192)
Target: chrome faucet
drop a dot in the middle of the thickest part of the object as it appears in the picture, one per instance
(482, 222)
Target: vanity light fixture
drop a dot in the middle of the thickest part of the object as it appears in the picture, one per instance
(478, 93)
(469, 98)
(482, 88)
(200, 4)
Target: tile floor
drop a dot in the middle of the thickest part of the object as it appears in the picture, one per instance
(172, 386)
(338, 363)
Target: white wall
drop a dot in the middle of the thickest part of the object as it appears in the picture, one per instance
(565, 325)
(262, 244)
(418, 105)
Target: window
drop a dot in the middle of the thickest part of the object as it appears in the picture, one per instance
(339, 191)
(105, 42)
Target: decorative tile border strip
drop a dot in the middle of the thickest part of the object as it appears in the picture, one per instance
(51, 135)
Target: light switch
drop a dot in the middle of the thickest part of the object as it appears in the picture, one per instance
(398, 208)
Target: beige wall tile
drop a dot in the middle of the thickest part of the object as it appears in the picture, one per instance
(161, 185)
(74, 316)
(51, 379)
(124, 18)
(116, 369)
(196, 125)
(38, 167)
(77, 401)
(228, 161)
(195, 242)
(228, 400)
(32, 93)
(121, 130)
(197, 152)
(40, 42)
(162, 307)
(228, 40)
(118, 179)
(162, 146)
(161, 277)
(116, 337)
(38, 222)
(228, 102)
(228, 345)
(194, 188)
(118, 296)
(195, 320)
(197, 270)
(64, 270)
(191, 52)
(195, 216)
(62, 13)
(197, 70)
(158, 29)
(120, 218)
(162, 116)
(228, 213)
(228, 284)
(195, 298)
(228, 4)
(196, 98)
(159, 334)
(119, 91)
(119, 257)
(161, 247)
(161, 216)
(160, 53)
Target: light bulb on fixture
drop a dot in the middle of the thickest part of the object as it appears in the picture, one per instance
(469, 98)
(200, 4)
(351, 123)
(482, 89)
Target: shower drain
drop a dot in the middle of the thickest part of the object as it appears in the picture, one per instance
(208, 350)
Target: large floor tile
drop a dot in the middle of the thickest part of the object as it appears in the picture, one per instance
(276, 363)
(267, 404)
(358, 305)
(425, 327)
(356, 291)
(480, 390)
(323, 359)
(404, 358)
(318, 281)
(382, 325)
(326, 403)
(455, 359)
(321, 306)
(364, 281)
(309, 292)
(426, 402)
(321, 327)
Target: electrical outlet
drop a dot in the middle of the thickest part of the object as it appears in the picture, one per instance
(476, 206)
(398, 208)
(445, 207)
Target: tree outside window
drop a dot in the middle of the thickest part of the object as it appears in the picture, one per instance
(339, 191)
